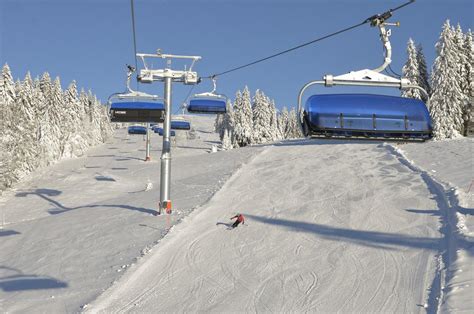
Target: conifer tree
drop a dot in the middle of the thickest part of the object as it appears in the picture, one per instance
(294, 129)
(227, 140)
(283, 122)
(423, 78)
(75, 144)
(467, 83)
(227, 121)
(218, 123)
(243, 118)
(25, 147)
(7, 99)
(447, 98)
(411, 71)
(57, 115)
(464, 53)
(43, 128)
(261, 119)
(274, 131)
(93, 116)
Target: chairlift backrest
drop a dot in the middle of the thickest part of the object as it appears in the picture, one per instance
(180, 125)
(208, 103)
(160, 132)
(137, 111)
(136, 107)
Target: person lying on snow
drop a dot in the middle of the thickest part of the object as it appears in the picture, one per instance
(240, 219)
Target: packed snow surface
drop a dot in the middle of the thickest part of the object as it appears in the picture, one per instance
(348, 226)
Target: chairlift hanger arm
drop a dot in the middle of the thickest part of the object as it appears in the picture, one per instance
(167, 56)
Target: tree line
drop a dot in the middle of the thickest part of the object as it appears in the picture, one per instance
(451, 83)
(41, 123)
(255, 120)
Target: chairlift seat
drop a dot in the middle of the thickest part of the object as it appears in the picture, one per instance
(137, 129)
(160, 132)
(180, 125)
(367, 115)
(137, 111)
(207, 105)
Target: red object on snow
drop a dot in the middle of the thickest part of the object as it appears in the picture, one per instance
(240, 218)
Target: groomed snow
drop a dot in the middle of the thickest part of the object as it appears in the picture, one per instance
(331, 226)
(74, 228)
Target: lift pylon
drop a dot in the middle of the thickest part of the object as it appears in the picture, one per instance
(168, 76)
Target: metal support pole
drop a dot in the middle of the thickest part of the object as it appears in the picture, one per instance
(165, 179)
(147, 158)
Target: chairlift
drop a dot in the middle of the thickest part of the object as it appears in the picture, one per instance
(180, 125)
(134, 106)
(366, 115)
(208, 103)
(160, 131)
(137, 129)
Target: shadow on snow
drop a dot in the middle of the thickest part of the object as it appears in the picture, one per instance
(46, 194)
(20, 282)
(366, 238)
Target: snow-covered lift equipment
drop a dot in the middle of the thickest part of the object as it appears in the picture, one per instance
(352, 115)
(208, 103)
(168, 76)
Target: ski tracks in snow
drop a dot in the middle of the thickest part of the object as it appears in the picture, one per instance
(329, 230)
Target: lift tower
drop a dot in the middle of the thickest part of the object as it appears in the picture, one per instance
(168, 76)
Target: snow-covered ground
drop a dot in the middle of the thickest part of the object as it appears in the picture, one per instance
(331, 226)
(448, 169)
(74, 228)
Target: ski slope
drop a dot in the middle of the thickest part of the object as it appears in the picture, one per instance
(332, 227)
(71, 230)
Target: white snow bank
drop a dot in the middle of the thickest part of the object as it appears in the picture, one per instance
(451, 164)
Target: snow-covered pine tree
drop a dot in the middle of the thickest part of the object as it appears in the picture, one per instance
(227, 140)
(423, 78)
(43, 127)
(294, 129)
(469, 88)
(261, 119)
(7, 100)
(462, 53)
(274, 131)
(56, 133)
(218, 123)
(411, 71)
(227, 121)
(25, 158)
(447, 98)
(243, 119)
(76, 143)
(106, 128)
(85, 123)
(283, 122)
(94, 116)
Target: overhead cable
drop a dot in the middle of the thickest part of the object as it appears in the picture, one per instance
(134, 37)
(382, 16)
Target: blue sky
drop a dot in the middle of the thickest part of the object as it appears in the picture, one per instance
(90, 41)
